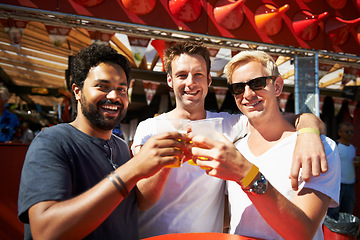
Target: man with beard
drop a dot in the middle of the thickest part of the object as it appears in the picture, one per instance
(77, 180)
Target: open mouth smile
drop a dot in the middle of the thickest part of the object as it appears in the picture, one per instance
(252, 104)
(193, 93)
(111, 109)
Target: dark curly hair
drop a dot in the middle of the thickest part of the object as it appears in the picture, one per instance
(190, 48)
(92, 56)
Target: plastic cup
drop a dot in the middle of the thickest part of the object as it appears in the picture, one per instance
(210, 127)
(172, 125)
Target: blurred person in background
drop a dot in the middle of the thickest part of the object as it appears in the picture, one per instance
(348, 161)
(27, 134)
(9, 122)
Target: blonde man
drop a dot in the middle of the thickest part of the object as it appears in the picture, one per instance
(261, 199)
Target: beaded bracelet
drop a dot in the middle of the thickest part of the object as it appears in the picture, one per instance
(308, 130)
(249, 177)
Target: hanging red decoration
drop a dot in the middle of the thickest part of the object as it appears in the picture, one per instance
(268, 18)
(57, 34)
(338, 29)
(357, 4)
(15, 29)
(139, 7)
(229, 13)
(160, 47)
(358, 34)
(88, 3)
(138, 48)
(100, 37)
(306, 25)
(337, 4)
(185, 10)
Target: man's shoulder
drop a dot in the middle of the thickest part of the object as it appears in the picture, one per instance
(58, 132)
(62, 127)
(149, 123)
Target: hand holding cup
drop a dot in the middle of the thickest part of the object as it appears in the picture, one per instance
(182, 126)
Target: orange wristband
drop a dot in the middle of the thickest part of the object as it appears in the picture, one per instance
(249, 177)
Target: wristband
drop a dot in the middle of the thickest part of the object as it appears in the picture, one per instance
(119, 188)
(126, 192)
(115, 184)
(249, 177)
(308, 130)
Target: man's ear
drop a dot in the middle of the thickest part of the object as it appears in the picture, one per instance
(169, 80)
(278, 85)
(76, 91)
(209, 80)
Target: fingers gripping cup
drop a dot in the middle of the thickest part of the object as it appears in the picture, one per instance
(164, 125)
(209, 127)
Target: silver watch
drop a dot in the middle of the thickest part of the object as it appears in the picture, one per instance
(259, 186)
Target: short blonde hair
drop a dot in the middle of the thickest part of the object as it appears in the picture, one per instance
(251, 56)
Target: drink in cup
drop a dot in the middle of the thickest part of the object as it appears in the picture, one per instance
(173, 125)
(210, 127)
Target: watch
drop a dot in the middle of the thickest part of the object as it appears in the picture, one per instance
(259, 186)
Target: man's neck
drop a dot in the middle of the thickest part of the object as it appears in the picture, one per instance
(265, 134)
(85, 126)
(181, 113)
(270, 129)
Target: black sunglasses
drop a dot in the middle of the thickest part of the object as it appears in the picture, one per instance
(349, 131)
(255, 84)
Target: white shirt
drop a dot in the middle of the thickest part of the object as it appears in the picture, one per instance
(347, 154)
(191, 201)
(275, 165)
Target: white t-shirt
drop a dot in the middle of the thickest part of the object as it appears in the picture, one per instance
(191, 201)
(347, 154)
(275, 165)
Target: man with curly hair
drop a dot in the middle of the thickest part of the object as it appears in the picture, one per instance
(77, 180)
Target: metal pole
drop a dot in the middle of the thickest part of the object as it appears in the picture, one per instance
(317, 89)
(296, 88)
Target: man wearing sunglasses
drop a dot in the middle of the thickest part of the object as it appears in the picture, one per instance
(348, 161)
(261, 199)
(185, 198)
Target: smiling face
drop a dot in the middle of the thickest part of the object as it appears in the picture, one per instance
(260, 102)
(190, 81)
(103, 99)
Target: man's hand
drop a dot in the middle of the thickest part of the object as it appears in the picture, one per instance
(160, 150)
(309, 154)
(220, 158)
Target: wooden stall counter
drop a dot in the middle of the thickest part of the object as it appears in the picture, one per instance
(12, 157)
(200, 236)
